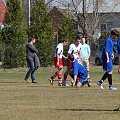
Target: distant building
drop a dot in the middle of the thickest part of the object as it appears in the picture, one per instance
(56, 17)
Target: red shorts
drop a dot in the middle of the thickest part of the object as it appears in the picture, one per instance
(69, 63)
(60, 63)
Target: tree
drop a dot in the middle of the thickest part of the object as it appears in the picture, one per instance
(68, 29)
(88, 14)
(14, 35)
(2, 47)
(41, 28)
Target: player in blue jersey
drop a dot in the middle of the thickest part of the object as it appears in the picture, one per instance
(79, 73)
(118, 46)
(107, 57)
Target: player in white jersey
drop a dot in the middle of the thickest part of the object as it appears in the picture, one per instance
(74, 49)
(58, 55)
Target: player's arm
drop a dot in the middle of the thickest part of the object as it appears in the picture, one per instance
(64, 56)
(106, 53)
(89, 51)
(80, 54)
(57, 59)
(57, 56)
(74, 80)
(75, 72)
(107, 49)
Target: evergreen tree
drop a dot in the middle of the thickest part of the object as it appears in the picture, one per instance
(41, 28)
(14, 35)
(1, 45)
(68, 29)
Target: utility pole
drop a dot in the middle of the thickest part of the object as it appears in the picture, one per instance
(84, 12)
(29, 10)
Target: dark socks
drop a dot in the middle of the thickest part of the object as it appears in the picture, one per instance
(104, 77)
(110, 79)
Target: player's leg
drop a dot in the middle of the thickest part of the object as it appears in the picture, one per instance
(110, 77)
(69, 64)
(55, 74)
(60, 70)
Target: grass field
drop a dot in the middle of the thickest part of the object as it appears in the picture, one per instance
(27, 101)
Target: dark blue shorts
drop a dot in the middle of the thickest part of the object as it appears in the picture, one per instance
(108, 66)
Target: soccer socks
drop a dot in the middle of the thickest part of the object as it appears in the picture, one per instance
(65, 77)
(104, 77)
(60, 78)
(56, 74)
(110, 79)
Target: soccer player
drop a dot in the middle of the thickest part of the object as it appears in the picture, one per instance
(74, 49)
(107, 57)
(58, 55)
(85, 53)
(118, 46)
(79, 73)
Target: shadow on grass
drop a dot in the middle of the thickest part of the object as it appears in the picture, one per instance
(88, 109)
(9, 82)
(58, 87)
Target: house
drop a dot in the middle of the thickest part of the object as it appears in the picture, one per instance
(2, 11)
(56, 16)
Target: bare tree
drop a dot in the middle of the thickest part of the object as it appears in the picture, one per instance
(88, 18)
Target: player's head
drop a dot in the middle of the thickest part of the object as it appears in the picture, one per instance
(65, 42)
(78, 40)
(32, 40)
(114, 33)
(83, 40)
(71, 57)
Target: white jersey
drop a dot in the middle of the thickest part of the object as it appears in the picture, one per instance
(75, 50)
(59, 50)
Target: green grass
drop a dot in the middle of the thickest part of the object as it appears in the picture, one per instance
(23, 101)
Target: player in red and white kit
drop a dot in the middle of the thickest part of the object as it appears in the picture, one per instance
(58, 55)
(74, 49)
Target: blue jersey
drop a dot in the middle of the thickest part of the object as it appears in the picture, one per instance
(118, 44)
(108, 47)
(78, 68)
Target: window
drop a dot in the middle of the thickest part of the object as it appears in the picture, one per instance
(103, 27)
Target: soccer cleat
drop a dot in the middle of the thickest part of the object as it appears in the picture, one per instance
(100, 85)
(65, 84)
(112, 88)
(60, 84)
(51, 81)
(86, 82)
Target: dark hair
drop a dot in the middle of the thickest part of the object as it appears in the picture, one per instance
(65, 40)
(84, 37)
(71, 57)
(114, 32)
(78, 37)
(30, 38)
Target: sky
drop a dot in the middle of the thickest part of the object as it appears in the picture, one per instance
(107, 6)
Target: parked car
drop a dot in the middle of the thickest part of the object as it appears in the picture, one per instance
(98, 54)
